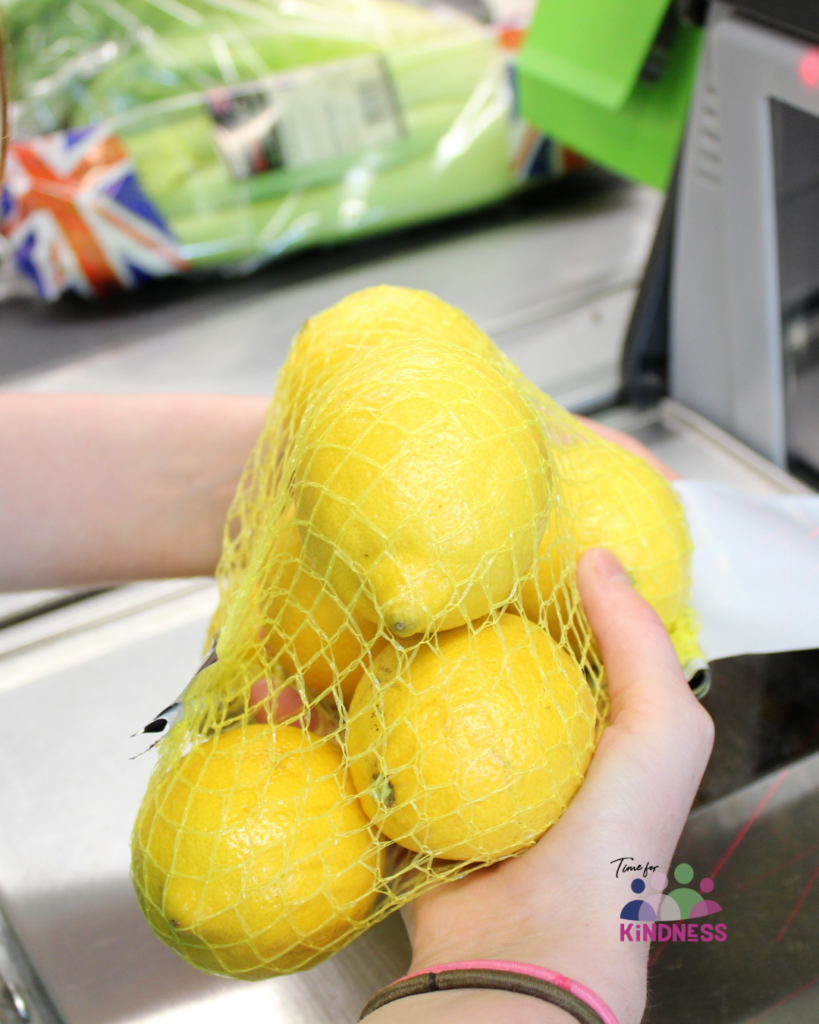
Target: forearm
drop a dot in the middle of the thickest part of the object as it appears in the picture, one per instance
(100, 488)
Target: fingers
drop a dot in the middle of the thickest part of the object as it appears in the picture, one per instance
(278, 704)
(284, 705)
(640, 660)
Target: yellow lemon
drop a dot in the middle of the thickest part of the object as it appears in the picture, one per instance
(308, 630)
(364, 320)
(252, 857)
(613, 499)
(470, 746)
(422, 486)
(550, 597)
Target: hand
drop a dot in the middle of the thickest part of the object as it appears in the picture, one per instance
(558, 904)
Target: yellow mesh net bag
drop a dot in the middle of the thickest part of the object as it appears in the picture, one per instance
(405, 687)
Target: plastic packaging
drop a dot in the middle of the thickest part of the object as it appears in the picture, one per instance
(153, 138)
(402, 685)
(756, 569)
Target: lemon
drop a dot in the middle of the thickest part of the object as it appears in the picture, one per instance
(422, 486)
(252, 857)
(470, 746)
(308, 630)
(364, 320)
(613, 499)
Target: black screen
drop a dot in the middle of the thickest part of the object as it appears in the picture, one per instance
(796, 165)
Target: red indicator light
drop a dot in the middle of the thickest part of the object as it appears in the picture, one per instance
(809, 69)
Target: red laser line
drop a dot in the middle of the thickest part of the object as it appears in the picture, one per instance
(763, 803)
(782, 1002)
(799, 903)
(739, 886)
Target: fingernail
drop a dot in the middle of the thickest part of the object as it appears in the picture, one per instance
(607, 567)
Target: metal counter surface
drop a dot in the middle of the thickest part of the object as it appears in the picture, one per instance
(75, 685)
(15, 607)
(67, 803)
(760, 845)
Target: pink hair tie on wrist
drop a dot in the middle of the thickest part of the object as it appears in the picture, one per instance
(506, 975)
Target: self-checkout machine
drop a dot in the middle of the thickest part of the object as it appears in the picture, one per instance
(725, 336)
(727, 322)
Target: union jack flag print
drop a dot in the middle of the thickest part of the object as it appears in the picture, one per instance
(77, 217)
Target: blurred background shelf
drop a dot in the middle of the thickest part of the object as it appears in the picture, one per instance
(551, 276)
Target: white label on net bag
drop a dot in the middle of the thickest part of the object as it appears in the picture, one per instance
(756, 569)
(305, 116)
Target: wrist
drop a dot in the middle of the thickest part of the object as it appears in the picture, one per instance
(614, 972)
(484, 1006)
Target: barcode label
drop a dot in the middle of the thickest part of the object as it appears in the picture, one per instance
(375, 101)
(306, 116)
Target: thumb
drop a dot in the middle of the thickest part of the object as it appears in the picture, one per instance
(651, 756)
(641, 663)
